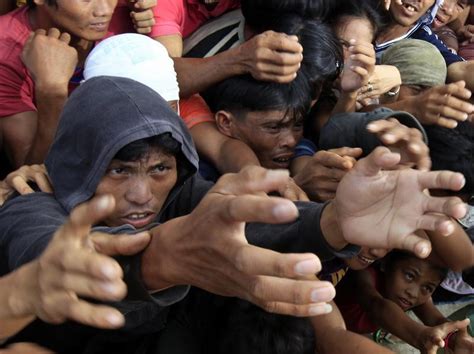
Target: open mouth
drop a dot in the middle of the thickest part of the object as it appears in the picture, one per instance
(283, 161)
(100, 26)
(410, 7)
(365, 260)
(404, 303)
(139, 220)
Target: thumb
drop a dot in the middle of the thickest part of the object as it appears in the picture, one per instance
(380, 158)
(421, 247)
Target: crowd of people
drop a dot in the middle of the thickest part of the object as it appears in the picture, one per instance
(236, 176)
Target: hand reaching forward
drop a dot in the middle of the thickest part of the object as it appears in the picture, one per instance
(74, 264)
(432, 338)
(208, 249)
(383, 209)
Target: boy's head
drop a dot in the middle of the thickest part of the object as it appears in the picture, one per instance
(87, 20)
(140, 177)
(450, 11)
(409, 281)
(268, 117)
(411, 11)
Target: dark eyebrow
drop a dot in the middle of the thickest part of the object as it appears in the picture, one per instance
(414, 270)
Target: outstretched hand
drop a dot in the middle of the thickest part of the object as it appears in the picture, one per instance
(432, 338)
(383, 209)
(208, 249)
(77, 263)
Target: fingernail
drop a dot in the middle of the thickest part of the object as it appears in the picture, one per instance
(320, 310)
(352, 41)
(114, 319)
(322, 294)
(423, 251)
(284, 211)
(109, 288)
(307, 267)
(389, 137)
(108, 271)
(371, 126)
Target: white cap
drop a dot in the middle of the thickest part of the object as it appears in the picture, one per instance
(136, 57)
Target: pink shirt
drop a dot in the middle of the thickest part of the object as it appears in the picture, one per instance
(183, 17)
(17, 89)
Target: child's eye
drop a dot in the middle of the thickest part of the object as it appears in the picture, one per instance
(428, 289)
(409, 276)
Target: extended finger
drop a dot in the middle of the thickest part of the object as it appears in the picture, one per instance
(65, 37)
(379, 158)
(279, 42)
(259, 261)
(86, 262)
(120, 244)
(85, 285)
(441, 180)
(271, 67)
(283, 308)
(331, 160)
(145, 23)
(297, 292)
(92, 315)
(43, 182)
(347, 151)
(251, 208)
(415, 244)
(145, 4)
(436, 222)
(87, 214)
(21, 185)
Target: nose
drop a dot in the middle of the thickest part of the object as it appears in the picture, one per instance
(139, 192)
(289, 139)
(448, 7)
(412, 291)
(104, 8)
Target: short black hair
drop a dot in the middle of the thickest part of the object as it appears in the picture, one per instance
(396, 256)
(138, 149)
(453, 149)
(263, 15)
(366, 9)
(242, 94)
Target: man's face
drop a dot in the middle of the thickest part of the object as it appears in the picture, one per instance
(140, 188)
(85, 19)
(411, 282)
(410, 11)
(272, 135)
(448, 12)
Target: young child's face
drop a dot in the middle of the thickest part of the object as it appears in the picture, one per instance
(411, 282)
(449, 11)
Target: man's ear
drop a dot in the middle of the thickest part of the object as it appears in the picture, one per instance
(225, 123)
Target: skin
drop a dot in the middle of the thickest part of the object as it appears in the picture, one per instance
(139, 187)
(271, 135)
(448, 12)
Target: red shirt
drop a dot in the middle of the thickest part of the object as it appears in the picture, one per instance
(183, 17)
(17, 93)
(357, 320)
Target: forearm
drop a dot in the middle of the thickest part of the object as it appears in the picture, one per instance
(463, 70)
(234, 156)
(198, 74)
(50, 103)
(456, 251)
(330, 227)
(346, 103)
(338, 340)
(15, 312)
(391, 317)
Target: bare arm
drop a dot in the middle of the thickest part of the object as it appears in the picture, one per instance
(429, 314)
(333, 337)
(462, 70)
(227, 154)
(269, 56)
(173, 43)
(456, 252)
